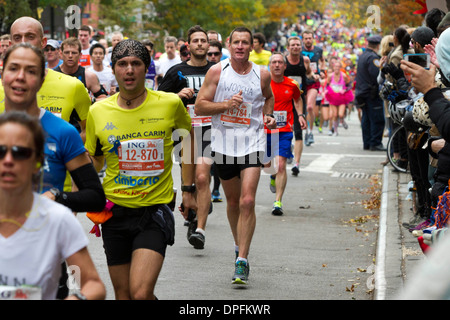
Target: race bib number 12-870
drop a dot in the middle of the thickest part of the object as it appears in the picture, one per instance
(141, 157)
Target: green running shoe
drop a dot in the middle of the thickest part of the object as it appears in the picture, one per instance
(241, 273)
(277, 208)
(272, 185)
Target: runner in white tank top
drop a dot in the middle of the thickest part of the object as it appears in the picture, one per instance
(239, 132)
(238, 96)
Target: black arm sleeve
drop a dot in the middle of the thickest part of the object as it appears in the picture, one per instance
(90, 197)
(439, 111)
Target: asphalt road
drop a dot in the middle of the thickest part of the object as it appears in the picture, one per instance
(322, 248)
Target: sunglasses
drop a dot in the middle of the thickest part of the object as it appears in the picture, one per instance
(18, 152)
(216, 54)
(46, 49)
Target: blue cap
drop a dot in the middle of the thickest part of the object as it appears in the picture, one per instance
(374, 39)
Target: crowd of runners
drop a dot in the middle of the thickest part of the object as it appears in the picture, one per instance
(222, 108)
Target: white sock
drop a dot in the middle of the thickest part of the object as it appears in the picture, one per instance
(201, 231)
(241, 259)
(236, 248)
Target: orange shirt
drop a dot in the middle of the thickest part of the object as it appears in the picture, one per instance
(284, 93)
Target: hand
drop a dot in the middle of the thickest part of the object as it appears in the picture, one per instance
(270, 122)
(235, 101)
(430, 49)
(189, 202)
(303, 123)
(186, 93)
(423, 80)
(49, 195)
(437, 145)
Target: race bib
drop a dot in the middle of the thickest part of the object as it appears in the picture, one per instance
(239, 117)
(141, 157)
(314, 67)
(336, 88)
(20, 293)
(85, 60)
(281, 118)
(149, 84)
(298, 79)
(198, 121)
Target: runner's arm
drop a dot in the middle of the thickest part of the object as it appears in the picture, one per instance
(204, 104)
(266, 89)
(92, 286)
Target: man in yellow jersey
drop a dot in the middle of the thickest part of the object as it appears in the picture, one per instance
(259, 55)
(60, 94)
(132, 131)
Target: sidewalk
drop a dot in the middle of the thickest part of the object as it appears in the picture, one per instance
(398, 251)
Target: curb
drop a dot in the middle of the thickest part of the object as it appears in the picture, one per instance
(388, 271)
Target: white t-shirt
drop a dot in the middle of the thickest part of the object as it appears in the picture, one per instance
(240, 132)
(162, 65)
(105, 77)
(32, 256)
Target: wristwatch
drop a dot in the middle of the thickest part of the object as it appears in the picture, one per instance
(303, 115)
(270, 115)
(56, 193)
(190, 189)
(80, 296)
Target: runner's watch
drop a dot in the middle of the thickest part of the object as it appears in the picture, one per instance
(270, 115)
(79, 296)
(190, 189)
(303, 115)
(56, 193)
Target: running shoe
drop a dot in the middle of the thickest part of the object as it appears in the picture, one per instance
(421, 226)
(320, 129)
(197, 240)
(344, 124)
(295, 170)
(307, 140)
(192, 226)
(330, 133)
(241, 272)
(272, 186)
(277, 208)
(215, 196)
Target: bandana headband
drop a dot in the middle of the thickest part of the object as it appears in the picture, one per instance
(128, 48)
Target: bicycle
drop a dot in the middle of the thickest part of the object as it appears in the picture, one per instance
(397, 112)
(390, 150)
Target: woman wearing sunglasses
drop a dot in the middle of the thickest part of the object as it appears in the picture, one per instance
(36, 233)
(23, 75)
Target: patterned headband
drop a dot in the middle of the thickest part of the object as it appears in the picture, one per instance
(127, 48)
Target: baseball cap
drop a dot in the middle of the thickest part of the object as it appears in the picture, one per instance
(53, 43)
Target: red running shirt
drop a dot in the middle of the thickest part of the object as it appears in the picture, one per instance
(284, 93)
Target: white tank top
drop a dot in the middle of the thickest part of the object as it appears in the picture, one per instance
(241, 132)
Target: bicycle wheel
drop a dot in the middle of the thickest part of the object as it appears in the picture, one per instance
(390, 150)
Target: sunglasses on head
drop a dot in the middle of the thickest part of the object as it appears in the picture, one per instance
(18, 152)
(49, 48)
(216, 54)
